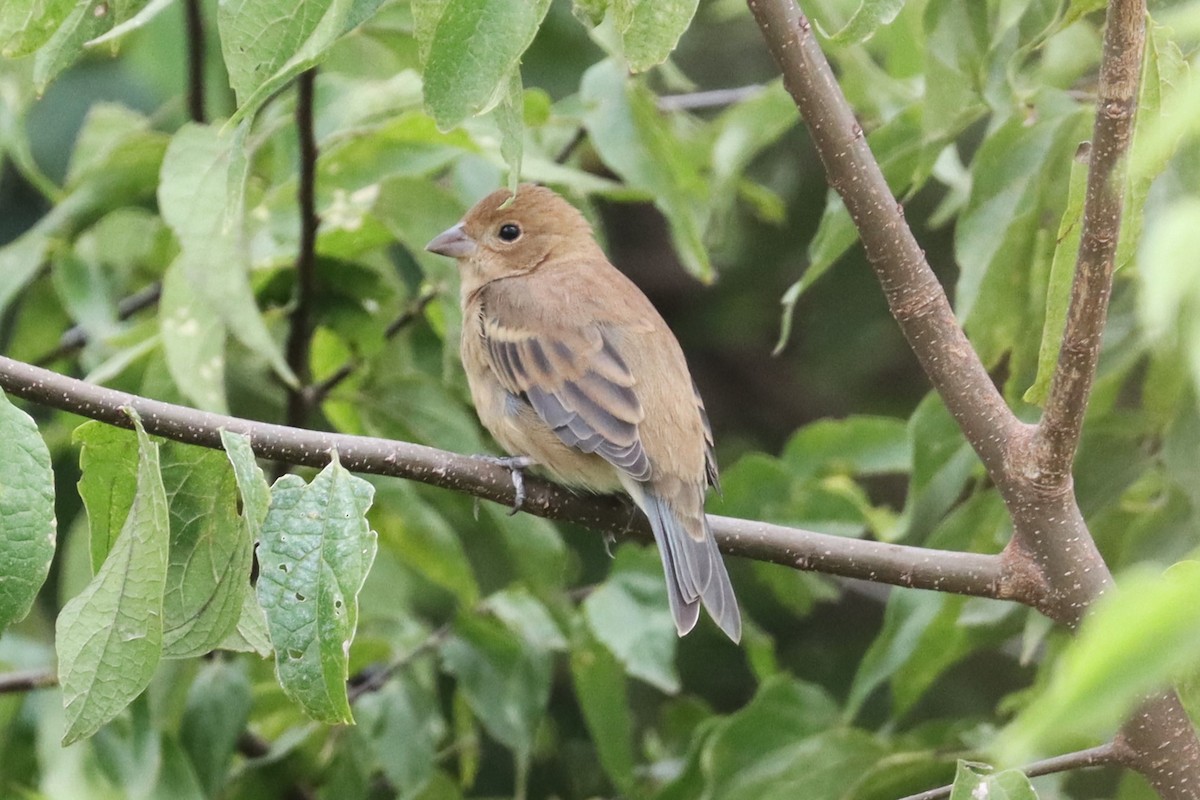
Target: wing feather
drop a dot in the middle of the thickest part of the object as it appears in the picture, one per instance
(577, 382)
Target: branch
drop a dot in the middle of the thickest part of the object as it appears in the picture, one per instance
(1103, 755)
(195, 60)
(916, 567)
(406, 317)
(1057, 435)
(914, 295)
(715, 98)
(300, 336)
(76, 336)
(27, 680)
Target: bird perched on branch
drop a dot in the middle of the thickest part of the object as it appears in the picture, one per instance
(574, 372)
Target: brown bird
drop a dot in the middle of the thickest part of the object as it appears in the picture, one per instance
(574, 372)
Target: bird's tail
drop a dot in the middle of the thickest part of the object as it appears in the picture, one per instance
(693, 565)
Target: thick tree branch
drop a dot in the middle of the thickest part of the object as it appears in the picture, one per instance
(1120, 70)
(916, 567)
(914, 295)
(1050, 538)
(1103, 755)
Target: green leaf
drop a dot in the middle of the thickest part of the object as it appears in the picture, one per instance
(855, 445)
(109, 637)
(650, 29)
(629, 615)
(973, 781)
(193, 339)
(267, 43)
(86, 20)
(504, 679)
(218, 706)
(525, 616)
(600, 686)
(402, 725)
(423, 540)
(942, 463)
(510, 119)
(115, 163)
(211, 551)
(1062, 273)
(632, 139)
(314, 556)
(200, 195)
(108, 463)
(27, 523)
(1016, 177)
(473, 49)
(870, 17)
(1169, 300)
(1164, 74)
(25, 26)
(1138, 638)
(251, 483)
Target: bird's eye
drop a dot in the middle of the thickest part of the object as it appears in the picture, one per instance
(510, 232)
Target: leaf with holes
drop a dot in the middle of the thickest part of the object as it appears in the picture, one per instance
(314, 555)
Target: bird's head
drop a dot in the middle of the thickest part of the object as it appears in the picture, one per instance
(505, 235)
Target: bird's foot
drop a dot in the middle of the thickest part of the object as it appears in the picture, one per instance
(516, 466)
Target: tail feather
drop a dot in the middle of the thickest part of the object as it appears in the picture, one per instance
(694, 569)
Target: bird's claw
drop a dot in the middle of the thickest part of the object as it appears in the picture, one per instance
(516, 466)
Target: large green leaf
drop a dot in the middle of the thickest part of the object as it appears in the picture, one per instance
(633, 140)
(314, 555)
(473, 51)
(218, 705)
(109, 637)
(1170, 288)
(267, 43)
(505, 680)
(601, 687)
(650, 29)
(200, 194)
(1140, 637)
(211, 551)
(27, 523)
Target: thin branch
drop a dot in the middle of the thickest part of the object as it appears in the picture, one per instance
(195, 60)
(27, 680)
(76, 336)
(714, 98)
(914, 295)
(405, 318)
(376, 680)
(916, 567)
(1100, 756)
(300, 336)
(1057, 435)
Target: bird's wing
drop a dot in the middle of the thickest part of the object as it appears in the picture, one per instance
(711, 473)
(579, 385)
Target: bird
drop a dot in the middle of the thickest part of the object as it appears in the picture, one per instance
(577, 376)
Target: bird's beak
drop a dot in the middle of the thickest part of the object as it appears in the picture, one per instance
(452, 242)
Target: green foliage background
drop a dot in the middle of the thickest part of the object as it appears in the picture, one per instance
(495, 656)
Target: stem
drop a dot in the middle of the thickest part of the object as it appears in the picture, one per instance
(1093, 757)
(714, 98)
(27, 680)
(300, 336)
(1057, 435)
(195, 60)
(76, 337)
(916, 567)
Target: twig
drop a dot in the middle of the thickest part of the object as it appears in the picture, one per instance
(300, 335)
(195, 60)
(1100, 756)
(376, 680)
(1120, 68)
(916, 567)
(320, 391)
(714, 98)
(27, 680)
(76, 336)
